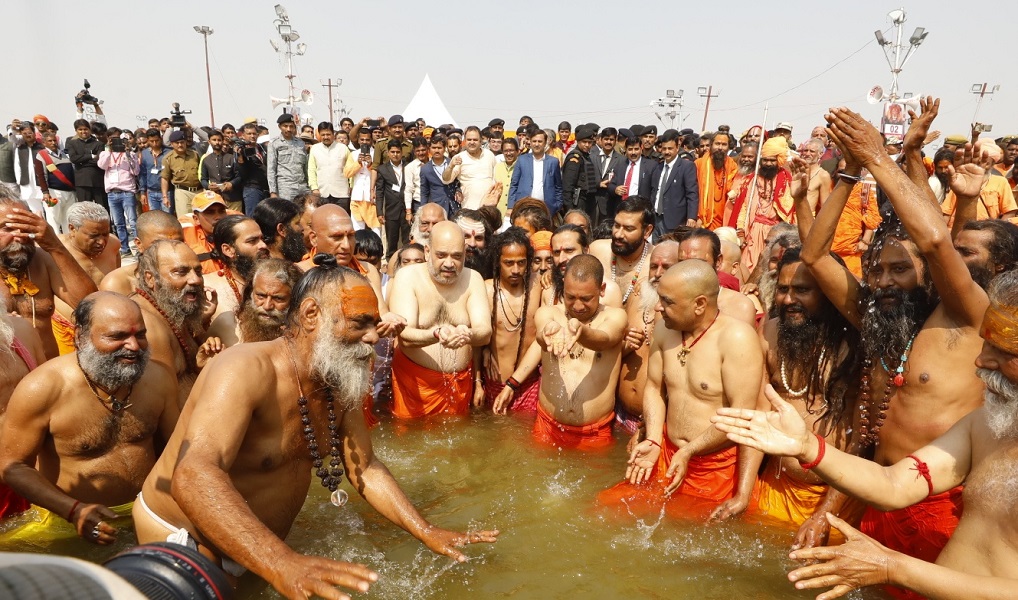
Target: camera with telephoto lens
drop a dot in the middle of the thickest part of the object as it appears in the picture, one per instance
(177, 118)
(117, 144)
(86, 97)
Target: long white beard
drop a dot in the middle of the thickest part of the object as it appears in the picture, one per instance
(345, 368)
(648, 297)
(1000, 404)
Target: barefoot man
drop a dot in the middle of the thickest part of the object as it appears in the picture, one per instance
(82, 431)
(237, 469)
(981, 558)
(87, 239)
(581, 349)
(447, 316)
(152, 226)
(702, 360)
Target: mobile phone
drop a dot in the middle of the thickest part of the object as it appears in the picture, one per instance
(374, 123)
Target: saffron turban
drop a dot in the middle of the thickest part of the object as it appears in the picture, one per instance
(776, 147)
(541, 241)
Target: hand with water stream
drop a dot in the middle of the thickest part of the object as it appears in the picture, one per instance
(453, 337)
(642, 461)
(390, 325)
(857, 563)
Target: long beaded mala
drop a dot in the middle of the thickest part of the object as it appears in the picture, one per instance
(188, 358)
(509, 325)
(805, 388)
(333, 476)
(226, 274)
(636, 271)
(868, 434)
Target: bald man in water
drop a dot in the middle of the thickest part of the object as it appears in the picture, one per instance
(704, 244)
(152, 226)
(702, 360)
(447, 316)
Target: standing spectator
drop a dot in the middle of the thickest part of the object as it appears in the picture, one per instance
(504, 172)
(678, 196)
(253, 175)
(389, 199)
(287, 161)
(433, 189)
(579, 177)
(362, 176)
(397, 132)
(412, 188)
(150, 172)
(326, 163)
(221, 173)
(55, 175)
(474, 168)
(537, 175)
(24, 167)
(121, 169)
(83, 149)
(180, 169)
(605, 160)
(7, 178)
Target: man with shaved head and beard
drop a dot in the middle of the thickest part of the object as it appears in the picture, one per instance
(236, 471)
(152, 226)
(82, 431)
(426, 217)
(701, 360)
(172, 296)
(447, 316)
(980, 559)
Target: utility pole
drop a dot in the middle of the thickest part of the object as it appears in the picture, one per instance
(330, 86)
(672, 100)
(708, 93)
(893, 49)
(205, 32)
(983, 89)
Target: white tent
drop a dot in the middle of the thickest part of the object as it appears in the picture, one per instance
(427, 105)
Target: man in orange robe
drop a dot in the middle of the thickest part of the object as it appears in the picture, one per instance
(715, 174)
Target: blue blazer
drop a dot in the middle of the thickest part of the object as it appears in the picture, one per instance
(523, 181)
(433, 190)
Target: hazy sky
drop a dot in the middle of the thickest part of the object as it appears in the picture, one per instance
(588, 60)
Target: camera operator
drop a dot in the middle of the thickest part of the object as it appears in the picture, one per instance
(83, 149)
(221, 173)
(251, 158)
(150, 171)
(121, 167)
(95, 113)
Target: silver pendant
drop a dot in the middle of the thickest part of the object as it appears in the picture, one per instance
(340, 498)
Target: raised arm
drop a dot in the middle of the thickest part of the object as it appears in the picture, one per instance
(912, 147)
(963, 299)
(969, 174)
(67, 279)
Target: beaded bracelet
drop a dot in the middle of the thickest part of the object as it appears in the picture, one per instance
(820, 454)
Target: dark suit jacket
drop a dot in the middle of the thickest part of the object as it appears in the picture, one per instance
(646, 177)
(680, 195)
(389, 202)
(433, 190)
(523, 181)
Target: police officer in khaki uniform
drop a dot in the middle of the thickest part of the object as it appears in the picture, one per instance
(396, 132)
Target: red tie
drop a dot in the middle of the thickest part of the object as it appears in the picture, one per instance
(629, 178)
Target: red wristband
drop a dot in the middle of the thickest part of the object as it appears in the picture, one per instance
(653, 442)
(70, 515)
(820, 454)
(513, 384)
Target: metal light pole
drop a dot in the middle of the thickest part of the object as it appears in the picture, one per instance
(289, 35)
(983, 89)
(330, 85)
(205, 32)
(708, 93)
(894, 49)
(673, 102)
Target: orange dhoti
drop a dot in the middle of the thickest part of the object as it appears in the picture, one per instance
(420, 392)
(921, 530)
(63, 331)
(524, 400)
(787, 502)
(579, 437)
(709, 481)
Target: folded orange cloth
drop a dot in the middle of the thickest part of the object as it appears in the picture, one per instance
(63, 331)
(420, 392)
(584, 437)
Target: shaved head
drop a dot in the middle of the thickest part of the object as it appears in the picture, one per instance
(332, 232)
(326, 215)
(447, 232)
(694, 278)
(666, 250)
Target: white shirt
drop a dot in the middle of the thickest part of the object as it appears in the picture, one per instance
(325, 170)
(412, 190)
(361, 180)
(634, 179)
(538, 190)
(666, 169)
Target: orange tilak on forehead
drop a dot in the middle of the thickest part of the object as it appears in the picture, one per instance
(1000, 328)
(358, 300)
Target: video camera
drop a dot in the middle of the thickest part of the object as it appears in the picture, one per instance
(177, 118)
(85, 97)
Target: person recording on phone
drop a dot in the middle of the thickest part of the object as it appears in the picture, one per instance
(362, 189)
(220, 171)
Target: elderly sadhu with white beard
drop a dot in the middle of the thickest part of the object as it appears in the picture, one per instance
(260, 420)
(981, 451)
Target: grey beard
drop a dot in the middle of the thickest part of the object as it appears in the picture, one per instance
(179, 312)
(648, 297)
(1000, 404)
(745, 169)
(105, 370)
(768, 283)
(344, 368)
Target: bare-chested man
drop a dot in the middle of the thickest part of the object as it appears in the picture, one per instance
(625, 255)
(152, 226)
(568, 241)
(446, 312)
(237, 469)
(917, 379)
(33, 276)
(514, 297)
(980, 561)
(76, 441)
(261, 315)
(819, 184)
(704, 244)
(173, 300)
(581, 350)
(237, 244)
(20, 352)
(700, 360)
(642, 318)
(87, 239)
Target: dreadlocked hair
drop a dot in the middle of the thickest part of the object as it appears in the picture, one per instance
(892, 229)
(832, 377)
(509, 237)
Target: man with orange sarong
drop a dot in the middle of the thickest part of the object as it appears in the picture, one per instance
(581, 344)
(715, 174)
(701, 360)
(447, 316)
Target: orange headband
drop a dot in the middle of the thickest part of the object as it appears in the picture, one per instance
(1000, 328)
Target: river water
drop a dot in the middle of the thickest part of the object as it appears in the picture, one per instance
(486, 473)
